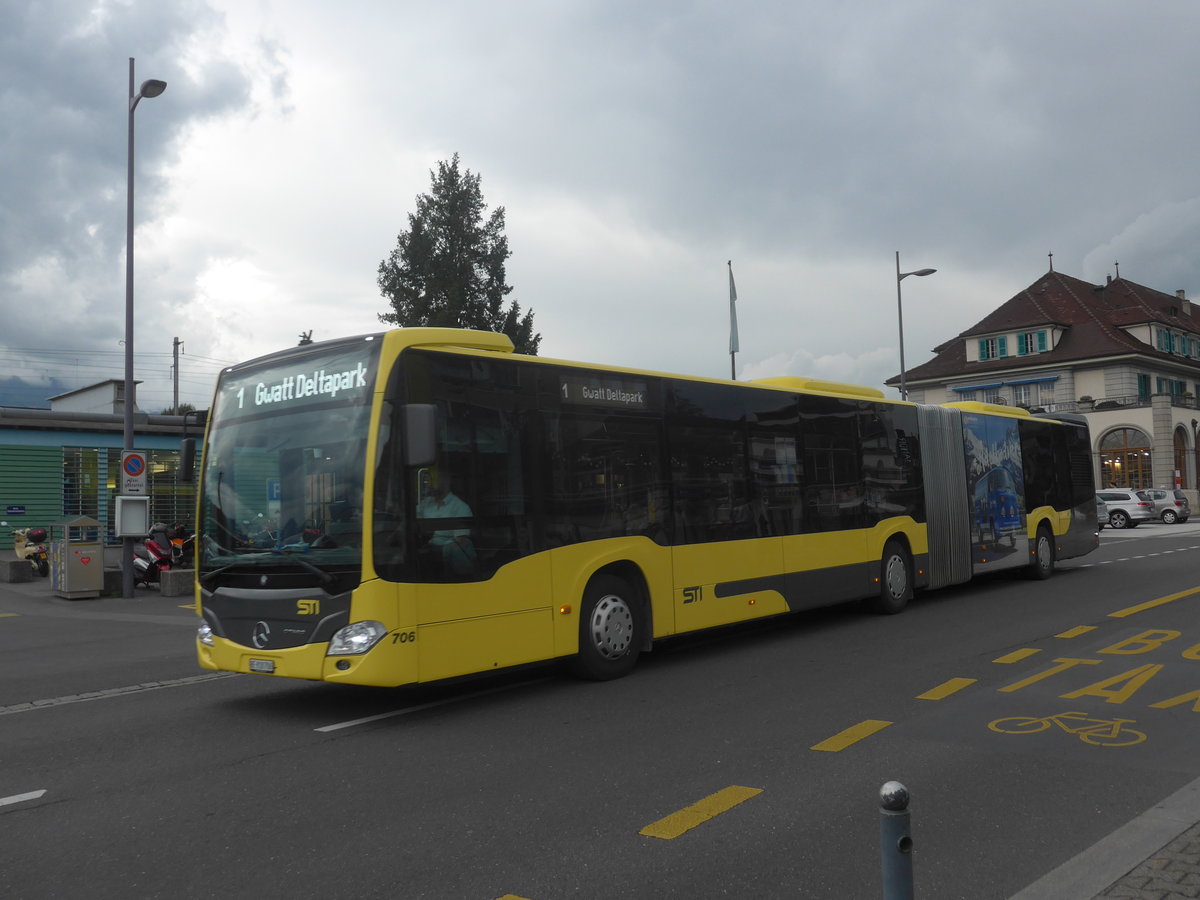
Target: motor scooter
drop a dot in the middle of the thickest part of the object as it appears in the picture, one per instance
(183, 547)
(30, 544)
(154, 556)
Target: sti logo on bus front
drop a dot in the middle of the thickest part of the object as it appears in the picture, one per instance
(302, 385)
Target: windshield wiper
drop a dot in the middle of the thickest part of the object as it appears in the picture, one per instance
(325, 577)
(304, 563)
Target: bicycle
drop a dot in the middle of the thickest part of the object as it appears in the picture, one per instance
(1098, 732)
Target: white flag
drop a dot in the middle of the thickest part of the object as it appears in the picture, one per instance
(733, 334)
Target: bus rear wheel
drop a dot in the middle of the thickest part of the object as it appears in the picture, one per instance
(609, 630)
(895, 580)
(1041, 566)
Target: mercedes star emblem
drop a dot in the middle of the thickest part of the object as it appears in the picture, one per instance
(261, 634)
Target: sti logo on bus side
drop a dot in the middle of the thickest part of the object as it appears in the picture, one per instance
(693, 594)
(308, 607)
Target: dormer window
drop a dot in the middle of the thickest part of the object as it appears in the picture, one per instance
(1031, 342)
(993, 348)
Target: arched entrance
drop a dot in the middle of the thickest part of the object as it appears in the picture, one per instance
(1181, 457)
(1126, 459)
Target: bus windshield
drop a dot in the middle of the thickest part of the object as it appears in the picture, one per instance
(284, 464)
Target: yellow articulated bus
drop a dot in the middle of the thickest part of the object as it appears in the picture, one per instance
(424, 503)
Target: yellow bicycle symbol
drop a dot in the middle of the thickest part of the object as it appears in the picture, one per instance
(1099, 732)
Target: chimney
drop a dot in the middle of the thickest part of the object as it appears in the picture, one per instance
(1109, 281)
(1183, 302)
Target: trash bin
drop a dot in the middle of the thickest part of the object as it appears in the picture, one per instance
(76, 559)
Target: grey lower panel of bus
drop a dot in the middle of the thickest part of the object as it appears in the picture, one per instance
(268, 618)
(947, 508)
(1081, 538)
(818, 587)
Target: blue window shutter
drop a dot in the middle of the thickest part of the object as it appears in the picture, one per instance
(1002, 346)
(1021, 344)
(1041, 341)
(982, 349)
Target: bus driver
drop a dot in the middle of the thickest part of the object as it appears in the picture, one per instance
(451, 546)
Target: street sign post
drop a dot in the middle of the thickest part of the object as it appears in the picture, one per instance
(133, 472)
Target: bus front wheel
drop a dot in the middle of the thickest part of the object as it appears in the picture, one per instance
(609, 630)
(895, 580)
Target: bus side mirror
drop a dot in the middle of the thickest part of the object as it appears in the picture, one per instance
(187, 460)
(187, 446)
(420, 434)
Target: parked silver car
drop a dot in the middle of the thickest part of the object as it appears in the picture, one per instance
(1127, 508)
(1101, 512)
(1170, 506)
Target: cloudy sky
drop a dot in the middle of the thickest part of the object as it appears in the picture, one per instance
(636, 147)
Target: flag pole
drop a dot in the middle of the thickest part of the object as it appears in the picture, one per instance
(733, 330)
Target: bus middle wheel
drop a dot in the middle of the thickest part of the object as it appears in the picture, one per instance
(895, 580)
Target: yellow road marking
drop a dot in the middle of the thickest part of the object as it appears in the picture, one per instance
(1017, 655)
(1150, 604)
(851, 735)
(8, 615)
(700, 812)
(510, 897)
(944, 690)
(1064, 663)
(1076, 631)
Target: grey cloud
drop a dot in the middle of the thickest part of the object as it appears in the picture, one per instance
(64, 67)
(969, 129)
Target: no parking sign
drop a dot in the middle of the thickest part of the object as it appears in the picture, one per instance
(133, 472)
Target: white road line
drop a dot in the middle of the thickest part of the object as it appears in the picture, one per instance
(1109, 562)
(20, 798)
(112, 692)
(412, 709)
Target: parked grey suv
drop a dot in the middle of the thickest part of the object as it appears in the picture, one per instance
(1127, 508)
(1170, 506)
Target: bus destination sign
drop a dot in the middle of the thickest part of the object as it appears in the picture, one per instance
(345, 375)
(608, 392)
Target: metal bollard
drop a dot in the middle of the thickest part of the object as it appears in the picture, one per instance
(895, 842)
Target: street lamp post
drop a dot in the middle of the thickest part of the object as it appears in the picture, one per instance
(150, 88)
(900, 276)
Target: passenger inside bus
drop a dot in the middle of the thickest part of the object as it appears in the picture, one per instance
(449, 549)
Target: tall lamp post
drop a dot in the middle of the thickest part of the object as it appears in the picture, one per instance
(150, 88)
(900, 276)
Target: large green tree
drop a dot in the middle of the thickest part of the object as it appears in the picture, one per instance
(448, 268)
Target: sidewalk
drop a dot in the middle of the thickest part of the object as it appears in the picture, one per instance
(1173, 872)
(1154, 857)
(40, 586)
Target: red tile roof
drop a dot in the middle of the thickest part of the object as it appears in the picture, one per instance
(1092, 316)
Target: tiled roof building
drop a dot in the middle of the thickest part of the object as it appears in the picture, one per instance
(1124, 355)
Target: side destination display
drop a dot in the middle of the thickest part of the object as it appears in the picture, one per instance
(611, 392)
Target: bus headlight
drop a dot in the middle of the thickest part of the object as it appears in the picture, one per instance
(204, 634)
(357, 638)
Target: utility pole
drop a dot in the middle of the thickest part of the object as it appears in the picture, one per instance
(176, 346)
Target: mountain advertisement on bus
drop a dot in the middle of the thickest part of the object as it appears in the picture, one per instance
(995, 490)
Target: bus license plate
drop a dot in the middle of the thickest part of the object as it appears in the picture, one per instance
(266, 666)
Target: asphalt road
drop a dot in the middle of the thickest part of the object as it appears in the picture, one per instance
(128, 772)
